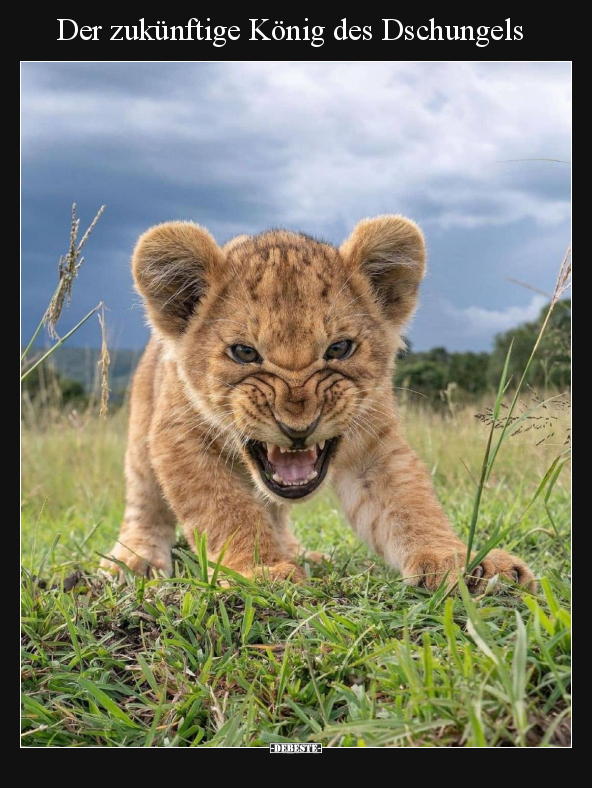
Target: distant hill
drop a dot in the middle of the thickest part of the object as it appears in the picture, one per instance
(81, 364)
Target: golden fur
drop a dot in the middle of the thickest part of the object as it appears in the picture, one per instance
(195, 410)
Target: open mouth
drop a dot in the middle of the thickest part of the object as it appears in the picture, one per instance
(292, 473)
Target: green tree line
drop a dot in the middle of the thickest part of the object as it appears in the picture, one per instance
(432, 371)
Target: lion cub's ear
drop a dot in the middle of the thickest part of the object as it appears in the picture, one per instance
(390, 250)
(171, 266)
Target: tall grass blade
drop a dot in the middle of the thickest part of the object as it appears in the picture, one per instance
(485, 464)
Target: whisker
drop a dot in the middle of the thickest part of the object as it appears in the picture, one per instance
(224, 382)
(341, 289)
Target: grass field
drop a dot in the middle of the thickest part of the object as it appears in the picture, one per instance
(353, 659)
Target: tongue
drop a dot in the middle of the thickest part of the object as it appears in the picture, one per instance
(293, 466)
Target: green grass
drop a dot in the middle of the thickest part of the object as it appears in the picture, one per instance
(356, 658)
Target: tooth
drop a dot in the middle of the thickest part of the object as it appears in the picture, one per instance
(321, 445)
(283, 449)
(277, 478)
(269, 447)
(312, 475)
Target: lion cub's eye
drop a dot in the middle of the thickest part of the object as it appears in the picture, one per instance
(244, 354)
(340, 350)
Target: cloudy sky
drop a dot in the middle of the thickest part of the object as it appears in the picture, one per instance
(241, 147)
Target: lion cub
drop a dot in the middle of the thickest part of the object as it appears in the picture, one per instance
(268, 376)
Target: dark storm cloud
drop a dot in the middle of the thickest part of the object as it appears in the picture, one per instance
(136, 197)
(244, 146)
(137, 79)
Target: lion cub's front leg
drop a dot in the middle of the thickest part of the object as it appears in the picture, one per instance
(210, 496)
(390, 502)
(148, 529)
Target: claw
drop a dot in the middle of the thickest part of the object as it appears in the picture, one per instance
(474, 577)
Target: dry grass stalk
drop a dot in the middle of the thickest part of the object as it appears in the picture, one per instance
(104, 364)
(68, 266)
(563, 282)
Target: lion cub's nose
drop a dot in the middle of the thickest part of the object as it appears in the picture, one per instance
(298, 435)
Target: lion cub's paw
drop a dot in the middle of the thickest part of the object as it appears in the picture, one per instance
(428, 568)
(284, 570)
(141, 559)
(314, 557)
(507, 566)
